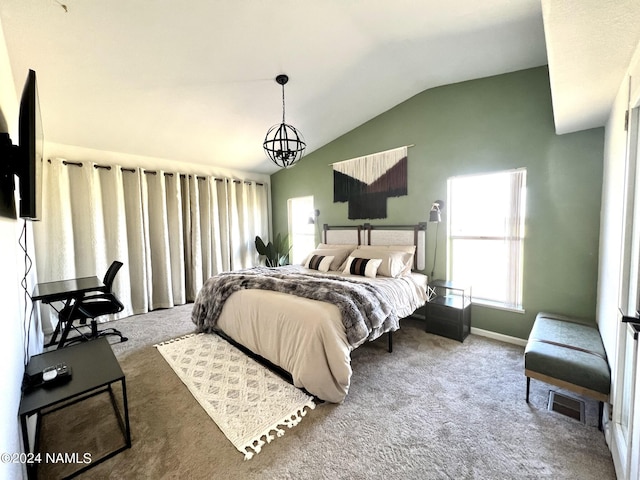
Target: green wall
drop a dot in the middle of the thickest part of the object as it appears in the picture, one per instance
(484, 125)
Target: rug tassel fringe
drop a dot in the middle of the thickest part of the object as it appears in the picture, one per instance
(291, 421)
(177, 339)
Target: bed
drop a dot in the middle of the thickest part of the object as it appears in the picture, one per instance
(352, 289)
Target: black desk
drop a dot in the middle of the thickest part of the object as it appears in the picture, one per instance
(69, 292)
(94, 368)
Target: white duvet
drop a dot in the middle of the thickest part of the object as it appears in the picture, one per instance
(306, 337)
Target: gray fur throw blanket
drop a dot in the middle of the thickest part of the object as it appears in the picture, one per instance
(366, 311)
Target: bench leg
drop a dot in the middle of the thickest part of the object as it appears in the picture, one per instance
(528, 385)
(600, 413)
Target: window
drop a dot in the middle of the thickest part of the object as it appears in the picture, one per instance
(486, 235)
(301, 231)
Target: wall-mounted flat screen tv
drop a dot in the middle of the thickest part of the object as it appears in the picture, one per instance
(31, 150)
(24, 160)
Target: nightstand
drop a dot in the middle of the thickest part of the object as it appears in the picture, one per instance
(94, 369)
(448, 313)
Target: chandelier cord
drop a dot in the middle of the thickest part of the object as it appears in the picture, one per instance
(283, 104)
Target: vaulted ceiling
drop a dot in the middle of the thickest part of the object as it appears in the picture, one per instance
(590, 44)
(194, 81)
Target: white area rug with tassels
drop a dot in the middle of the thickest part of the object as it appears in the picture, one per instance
(247, 401)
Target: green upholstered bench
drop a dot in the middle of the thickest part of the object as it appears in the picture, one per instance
(569, 354)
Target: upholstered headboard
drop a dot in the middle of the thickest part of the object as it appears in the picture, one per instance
(343, 234)
(368, 234)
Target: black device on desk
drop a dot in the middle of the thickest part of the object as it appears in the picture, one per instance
(48, 377)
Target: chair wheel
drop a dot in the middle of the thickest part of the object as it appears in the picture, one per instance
(124, 339)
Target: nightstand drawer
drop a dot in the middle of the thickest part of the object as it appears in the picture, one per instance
(442, 311)
(444, 327)
(449, 322)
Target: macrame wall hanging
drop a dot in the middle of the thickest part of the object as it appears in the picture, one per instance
(366, 182)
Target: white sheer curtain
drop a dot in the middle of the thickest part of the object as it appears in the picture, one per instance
(171, 231)
(136, 239)
(517, 209)
(245, 199)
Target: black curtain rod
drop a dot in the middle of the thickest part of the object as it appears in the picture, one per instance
(153, 172)
(199, 177)
(64, 162)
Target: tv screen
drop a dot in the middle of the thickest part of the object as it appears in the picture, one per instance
(30, 151)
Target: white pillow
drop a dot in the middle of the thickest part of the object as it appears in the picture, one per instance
(406, 252)
(392, 264)
(339, 256)
(319, 262)
(367, 267)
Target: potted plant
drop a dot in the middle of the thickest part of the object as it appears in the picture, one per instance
(276, 253)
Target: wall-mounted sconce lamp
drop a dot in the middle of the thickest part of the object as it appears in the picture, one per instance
(435, 216)
(435, 212)
(313, 218)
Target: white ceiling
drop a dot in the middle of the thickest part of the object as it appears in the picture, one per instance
(194, 80)
(590, 44)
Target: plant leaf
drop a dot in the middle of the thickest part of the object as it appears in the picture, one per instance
(260, 246)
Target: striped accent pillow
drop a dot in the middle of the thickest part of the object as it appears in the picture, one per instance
(367, 267)
(319, 262)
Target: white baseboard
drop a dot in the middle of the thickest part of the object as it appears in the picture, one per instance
(498, 336)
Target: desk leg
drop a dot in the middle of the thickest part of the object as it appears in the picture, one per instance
(125, 426)
(31, 467)
(65, 333)
(126, 412)
(56, 331)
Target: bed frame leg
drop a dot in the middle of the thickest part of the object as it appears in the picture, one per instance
(528, 384)
(390, 342)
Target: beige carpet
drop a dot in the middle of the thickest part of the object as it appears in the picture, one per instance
(433, 409)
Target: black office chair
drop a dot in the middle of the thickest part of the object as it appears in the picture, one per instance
(89, 307)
